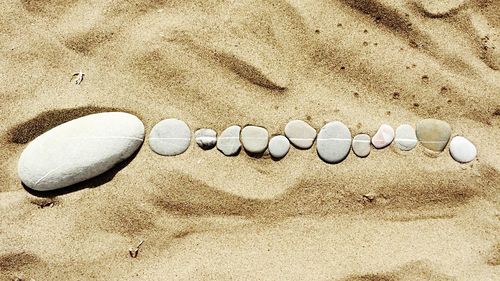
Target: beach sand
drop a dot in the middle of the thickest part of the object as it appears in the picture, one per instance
(203, 216)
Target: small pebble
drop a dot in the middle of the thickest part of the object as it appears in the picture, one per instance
(254, 139)
(300, 134)
(462, 150)
(229, 141)
(279, 146)
(334, 142)
(433, 134)
(205, 138)
(170, 137)
(361, 145)
(383, 137)
(406, 139)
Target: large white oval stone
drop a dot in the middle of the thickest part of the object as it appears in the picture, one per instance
(79, 150)
(300, 134)
(170, 137)
(254, 139)
(462, 150)
(334, 142)
(229, 141)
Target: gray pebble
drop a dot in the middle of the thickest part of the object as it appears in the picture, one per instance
(254, 139)
(361, 145)
(300, 134)
(205, 138)
(279, 146)
(170, 137)
(228, 141)
(406, 139)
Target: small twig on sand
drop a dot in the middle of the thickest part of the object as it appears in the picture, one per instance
(135, 251)
(79, 77)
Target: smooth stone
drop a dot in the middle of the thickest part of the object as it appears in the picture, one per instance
(462, 150)
(300, 134)
(229, 141)
(254, 139)
(279, 146)
(79, 150)
(406, 139)
(433, 134)
(383, 137)
(205, 138)
(170, 137)
(334, 142)
(361, 145)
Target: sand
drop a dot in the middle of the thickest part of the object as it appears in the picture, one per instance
(203, 216)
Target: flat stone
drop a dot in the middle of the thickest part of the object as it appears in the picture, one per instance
(254, 139)
(279, 146)
(462, 150)
(170, 137)
(433, 134)
(300, 134)
(79, 150)
(205, 138)
(383, 137)
(334, 142)
(229, 141)
(406, 139)
(361, 145)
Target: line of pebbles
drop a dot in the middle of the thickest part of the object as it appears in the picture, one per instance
(333, 142)
(85, 147)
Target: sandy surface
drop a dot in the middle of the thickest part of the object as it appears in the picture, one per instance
(204, 216)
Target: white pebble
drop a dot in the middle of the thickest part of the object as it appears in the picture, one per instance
(254, 139)
(170, 137)
(300, 134)
(229, 141)
(205, 138)
(462, 150)
(383, 137)
(334, 142)
(406, 139)
(279, 146)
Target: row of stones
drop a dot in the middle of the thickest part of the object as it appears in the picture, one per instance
(85, 147)
(334, 141)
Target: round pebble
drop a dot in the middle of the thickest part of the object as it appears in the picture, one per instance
(254, 139)
(300, 134)
(334, 142)
(79, 150)
(433, 134)
(383, 137)
(406, 139)
(205, 138)
(170, 137)
(462, 150)
(229, 141)
(279, 146)
(361, 145)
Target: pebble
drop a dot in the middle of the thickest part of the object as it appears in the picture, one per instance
(406, 139)
(361, 145)
(300, 134)
(433, 134)
(170, 137)
(79, 150)
(334, 142)
(279, 146)
(229, 141)
(462, 150)
(383, 137)
(205, 138)
(254, 139)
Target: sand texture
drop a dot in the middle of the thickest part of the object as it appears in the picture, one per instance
(203, 216)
